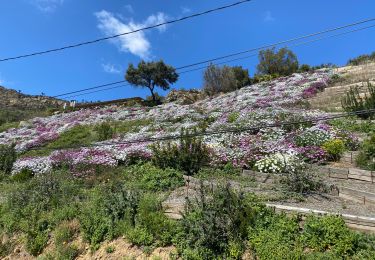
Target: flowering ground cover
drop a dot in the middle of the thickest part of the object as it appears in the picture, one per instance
(280, 100)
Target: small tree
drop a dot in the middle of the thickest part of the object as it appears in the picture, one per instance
(283, 62)
(225, 79)
(150, 75)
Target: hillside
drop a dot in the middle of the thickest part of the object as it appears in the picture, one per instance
(349, 76)
(12, 99)
(99, 183)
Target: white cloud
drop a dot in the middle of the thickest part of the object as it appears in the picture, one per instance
(111, 68)
(268, 17)
(129, 8)
(47, 6)
(185, 9)
(135, 43)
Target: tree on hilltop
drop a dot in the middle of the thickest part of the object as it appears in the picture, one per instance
(150, 75)
(283, 62)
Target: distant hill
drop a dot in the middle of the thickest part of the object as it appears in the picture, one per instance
(11, 99)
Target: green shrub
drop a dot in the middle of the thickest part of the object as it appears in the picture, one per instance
(104, 131)
(329, 233)
(63, 234)
(353, 124)
(7, 158)
(366, 157)
(265, 78)
(353, 101)
(36, 242)
(301, 180)
(335, 148)
(189, 155)
(152, 178)
(276, 237)
(110, 249)
(107, 207)
(151, 217)
(23, 176)
(140, 236)
(213, 222)
(233, 117)
(362, 59)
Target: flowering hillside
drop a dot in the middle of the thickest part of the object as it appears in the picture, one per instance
(264, 103)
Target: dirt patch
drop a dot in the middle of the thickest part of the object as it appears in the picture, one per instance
(121, 249)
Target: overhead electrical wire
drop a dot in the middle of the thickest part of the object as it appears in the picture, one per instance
(204, 67)
(123, 34)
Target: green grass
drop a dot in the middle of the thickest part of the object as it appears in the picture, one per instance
(123, 127)
(354, 124)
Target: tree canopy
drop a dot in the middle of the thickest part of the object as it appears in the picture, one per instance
(151, 75)
(283, 62)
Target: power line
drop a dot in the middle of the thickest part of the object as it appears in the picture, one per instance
(122, 34)
(293, 45)
(243, 52)
(279, 43)
(217, 63)
(224, 131)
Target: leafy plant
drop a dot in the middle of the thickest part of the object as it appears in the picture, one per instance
(334, 148)
(152, 178)
(104, 131)
(366, 157)
(7, 158)
(354, 101)
(189, 155)
(302, 180)
(213, 222)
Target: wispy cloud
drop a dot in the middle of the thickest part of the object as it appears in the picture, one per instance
(129, 8)
(268, 17)
(135, 43)
(111, 68)
(47, 6)
(185, 9)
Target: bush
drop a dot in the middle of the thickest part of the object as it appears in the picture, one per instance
(302, 180)
(329, 233)
(283, 62)
(104, 131)
(8, 156)
(334, 148)
(152, 178)
(212, 223)
(140, 236)
(366, 157)
(276, 237)
(108, 207)
(189, 155)
(224, 79)
(353, 101)
(361, 59)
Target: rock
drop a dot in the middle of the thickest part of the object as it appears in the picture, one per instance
(24, 124)
(184, 97)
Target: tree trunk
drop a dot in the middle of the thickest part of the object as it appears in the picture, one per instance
(152, 86)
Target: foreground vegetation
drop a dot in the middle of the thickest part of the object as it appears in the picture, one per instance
(126, 202)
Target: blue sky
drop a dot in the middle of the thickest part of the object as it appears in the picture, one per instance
(34, 25)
